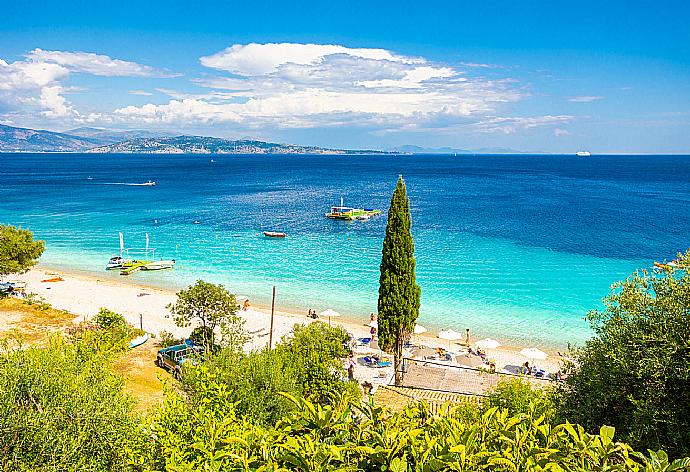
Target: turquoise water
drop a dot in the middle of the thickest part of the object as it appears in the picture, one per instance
(514, 247)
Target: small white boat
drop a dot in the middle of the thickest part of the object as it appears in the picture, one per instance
(159, 265)
(274, 234)
(150, 183)
(138, 341)
(583, 154)
(115, 262)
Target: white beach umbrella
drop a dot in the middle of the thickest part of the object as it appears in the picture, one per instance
(374, 324)
(488, 343)
(533, 353)
(330, 314)
(449, 335)
(419, 329)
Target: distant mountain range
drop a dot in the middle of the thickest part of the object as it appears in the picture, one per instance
(411, 149)
(208, 145)
(30, 140)
(97, 140)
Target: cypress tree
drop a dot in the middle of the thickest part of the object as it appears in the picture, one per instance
(399, 294)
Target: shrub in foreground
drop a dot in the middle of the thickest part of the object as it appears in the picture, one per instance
(208, 435)
(62, 409)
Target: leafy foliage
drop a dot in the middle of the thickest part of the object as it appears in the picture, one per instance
(18, 250)
(304, 363)
(212, 306)
(635, 373)
(62, 409)
(347, 436)
(518, 396)
(399, 294)
(106, 318)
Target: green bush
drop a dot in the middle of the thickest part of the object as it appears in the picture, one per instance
(106, 318)
(634, 373)
(519, 397)
(206, 434)
(305, 363)
(62, 409)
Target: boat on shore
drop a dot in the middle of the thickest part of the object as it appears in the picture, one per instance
(274, 234)
(159, 265)
(349, 213)
(146, 261)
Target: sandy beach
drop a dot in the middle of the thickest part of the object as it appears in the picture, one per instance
(83, 295)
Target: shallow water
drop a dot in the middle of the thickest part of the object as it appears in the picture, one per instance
(514, 247)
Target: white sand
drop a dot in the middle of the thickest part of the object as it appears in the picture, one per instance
(83, 295)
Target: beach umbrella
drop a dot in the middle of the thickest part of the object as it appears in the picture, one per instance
(330, 314)
(533, 353)
(469, 361)
(374, 324)
(449, 335)
(488, 343)
(419, 329)
(424, 352)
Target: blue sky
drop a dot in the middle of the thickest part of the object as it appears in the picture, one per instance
(530, 76)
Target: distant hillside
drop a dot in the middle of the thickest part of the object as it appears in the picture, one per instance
(208, 145)
(30, 140)
(102, 137)
(412, 149)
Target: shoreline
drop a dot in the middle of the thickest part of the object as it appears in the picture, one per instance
(82, 294)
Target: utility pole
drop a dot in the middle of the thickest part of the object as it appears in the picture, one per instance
(273, 307)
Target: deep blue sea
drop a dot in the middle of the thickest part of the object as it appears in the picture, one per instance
(518, 248)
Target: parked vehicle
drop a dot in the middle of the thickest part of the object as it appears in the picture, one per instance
(174, 357)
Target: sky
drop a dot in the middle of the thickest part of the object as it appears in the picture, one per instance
(540, 76)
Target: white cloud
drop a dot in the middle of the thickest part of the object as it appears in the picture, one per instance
(259, 59)
(37, 81)
(510, 125)
(585, 98)
(307, 85)
(558, 132)
(142, 93)
(53, 103)
(90, 63)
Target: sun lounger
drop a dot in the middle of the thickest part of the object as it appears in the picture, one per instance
(363, 341)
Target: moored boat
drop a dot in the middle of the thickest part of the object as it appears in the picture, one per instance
(274, 234)
(159, 265)
(139, 340)
(349, 213)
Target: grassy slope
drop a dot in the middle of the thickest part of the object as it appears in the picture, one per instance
(34, 322)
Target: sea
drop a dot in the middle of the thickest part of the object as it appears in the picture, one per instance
(518, 248)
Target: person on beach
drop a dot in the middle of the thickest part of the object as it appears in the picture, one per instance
(372, 332)
(467, 337)
(372, 317)
(526, 368)
(351, 367)
(246, 305)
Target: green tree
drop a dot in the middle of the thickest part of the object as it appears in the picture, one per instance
(399, 294)
(18, 250)
(634, 374)
(209, 304)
